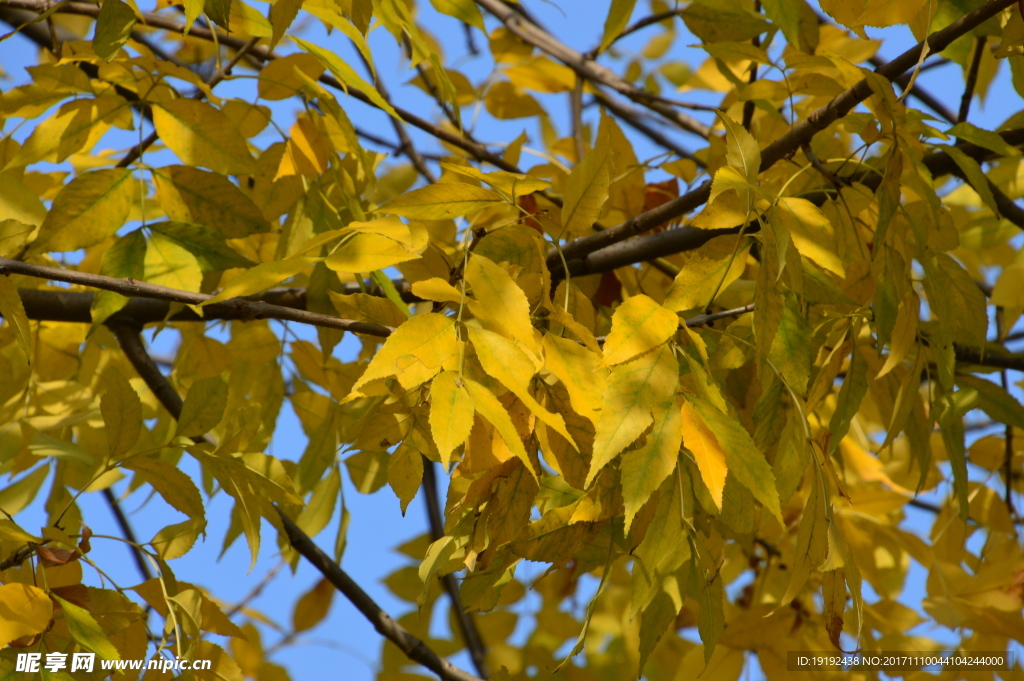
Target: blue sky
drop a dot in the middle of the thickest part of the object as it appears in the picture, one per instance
(377, 525)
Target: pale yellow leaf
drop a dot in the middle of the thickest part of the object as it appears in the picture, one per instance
(500, 304)
(414, 352)
(638, 326)
(451, 413)
(201, 135)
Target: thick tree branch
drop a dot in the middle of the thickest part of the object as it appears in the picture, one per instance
(415, 649)
(467, 625)
(248, 309)
(800, 134)
(588, 69)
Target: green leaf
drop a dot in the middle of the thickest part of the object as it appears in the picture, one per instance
(195, 196)
(203, 408)
(86, 211)
(983, 138)
(742, 152)
(122, 413)
(209, 248)
(745, 462)
(201, 135)
(86, 630)
(125, 259)
(855, 386)
(618, 16)
(13, 312)
(442, 201)
(113, 28)
(659, 614)
(1000, 405)
(811, 542)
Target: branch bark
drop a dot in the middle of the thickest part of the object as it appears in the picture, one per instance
(414, 648)
(243, 308)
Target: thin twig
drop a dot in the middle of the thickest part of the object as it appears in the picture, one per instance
(129, 534)
(415, 649)
(972, 78)
(467, 625)
(588, 68)
(783, 147)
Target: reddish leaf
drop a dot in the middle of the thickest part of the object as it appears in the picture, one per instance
(609, 290)
(529, 204)
(660, 193)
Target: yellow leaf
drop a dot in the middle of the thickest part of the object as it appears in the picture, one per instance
(307, 151)
(87, 210)
(13, 312)
(202, 198)
(24, 610)
(278, 80)
(122, 413)
(638, 326)
(451, 414)
(346, 74)
(512, 184)
(262, 277)
(368, 252)
(405, 471)
(703, 444)
(174, 541)
(618, 17)
(505, 101)
(18, 202)
(644, 469)
(313, 606)
(542, 75)
(201, 135)
(742, 152)
(811, 231)
(502, 359)
(204, 407)
(168, 264)
(633, 390)
(904, 332)
(746, 463)
(491, 409)
(436, 289)
(500, 304)
(586, 191)
(1009, 288)
(176, 488)
(579, 370)
(465, 11)
(414, 352)
(442, 201)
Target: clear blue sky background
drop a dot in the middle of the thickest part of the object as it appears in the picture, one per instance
(377, 525)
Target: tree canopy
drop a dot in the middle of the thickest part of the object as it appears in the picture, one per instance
(698, 339)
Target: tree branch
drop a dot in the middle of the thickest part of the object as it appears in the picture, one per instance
(467, 625)
(243, 308)
(587, 68)
(972, 78)
(414, 648)
(800, 134)
(129, 534)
